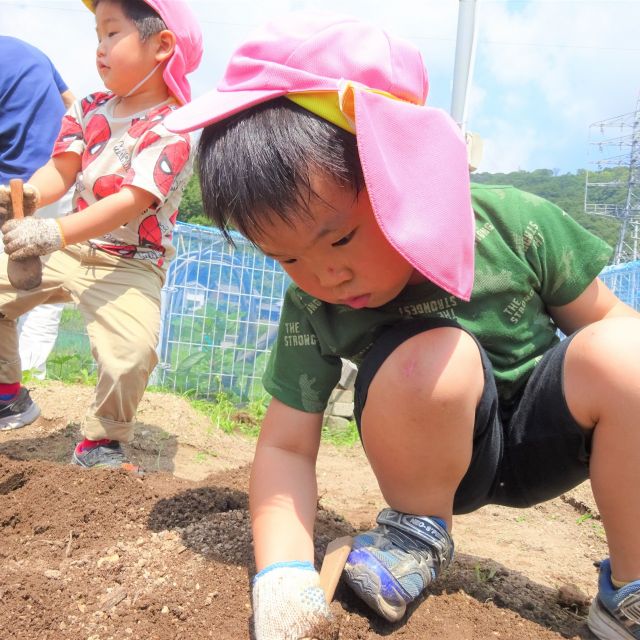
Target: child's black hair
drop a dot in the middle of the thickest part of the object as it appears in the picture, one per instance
(146, 19)
(258, 164)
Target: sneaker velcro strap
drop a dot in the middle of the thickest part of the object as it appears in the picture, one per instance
(423, 529)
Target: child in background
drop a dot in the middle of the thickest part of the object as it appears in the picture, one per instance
(319, 148)
(34, 98)
(109, 256)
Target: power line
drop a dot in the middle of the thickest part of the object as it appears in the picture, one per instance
(430, 38)
(556, 2)
(552, 45)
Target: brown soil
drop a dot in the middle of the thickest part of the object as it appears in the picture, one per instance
(99, 555)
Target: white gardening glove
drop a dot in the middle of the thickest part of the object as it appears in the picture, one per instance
(31, 237)
(288, 602)
(31, 198)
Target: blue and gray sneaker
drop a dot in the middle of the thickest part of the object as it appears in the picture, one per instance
(106, 454)
(391, 565)
(615, 613)
(19, 412)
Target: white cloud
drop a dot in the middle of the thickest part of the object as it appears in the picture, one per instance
(547, 68)
(508, 148)
(572, 62)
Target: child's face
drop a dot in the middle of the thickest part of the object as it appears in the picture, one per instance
(122, 58)
(338, 254)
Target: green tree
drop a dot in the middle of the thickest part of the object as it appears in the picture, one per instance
(567, 191)
(191, 209)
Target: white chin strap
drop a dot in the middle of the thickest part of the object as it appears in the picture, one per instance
(143, 80)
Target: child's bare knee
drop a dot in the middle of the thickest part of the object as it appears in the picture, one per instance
(607, 347)
(441, 365)
(602, 366)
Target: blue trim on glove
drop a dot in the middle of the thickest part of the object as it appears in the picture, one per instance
(295, 564)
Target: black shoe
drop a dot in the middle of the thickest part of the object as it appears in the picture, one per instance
(21, 412)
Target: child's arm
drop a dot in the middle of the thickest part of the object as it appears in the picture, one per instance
(283, 490)
(47, 184)
(56, 177)
(67, 98)
(288, 601)
(38, 237)
(105, 215)
(595, 303)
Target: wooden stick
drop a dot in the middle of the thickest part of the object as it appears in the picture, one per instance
(332, 565)
(23, 274)
(17, 198)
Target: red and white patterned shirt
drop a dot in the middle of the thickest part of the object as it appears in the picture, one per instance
(136, 150)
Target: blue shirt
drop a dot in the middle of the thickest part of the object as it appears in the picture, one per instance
(31, 108)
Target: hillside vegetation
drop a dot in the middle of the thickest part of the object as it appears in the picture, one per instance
(567, 191)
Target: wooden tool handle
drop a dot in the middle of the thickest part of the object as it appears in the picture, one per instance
(17, 198)
(25, 274)
(332, 565)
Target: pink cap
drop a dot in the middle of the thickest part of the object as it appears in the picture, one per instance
(180, 19)
(414, 157)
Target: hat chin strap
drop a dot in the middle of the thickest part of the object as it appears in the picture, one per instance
(143, 80)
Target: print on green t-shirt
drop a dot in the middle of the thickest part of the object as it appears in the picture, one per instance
(530, 255)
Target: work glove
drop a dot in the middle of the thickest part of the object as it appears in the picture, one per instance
(288, 602)
(31, 237)
(31, 199)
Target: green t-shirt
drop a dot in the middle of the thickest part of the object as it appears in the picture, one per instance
(529, 254)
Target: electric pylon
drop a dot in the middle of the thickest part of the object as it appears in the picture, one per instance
(615, 190)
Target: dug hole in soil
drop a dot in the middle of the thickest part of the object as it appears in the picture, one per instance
(95, 555)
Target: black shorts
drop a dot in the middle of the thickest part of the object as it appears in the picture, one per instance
(526, 453)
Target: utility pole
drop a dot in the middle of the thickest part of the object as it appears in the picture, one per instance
(462, 74)
(464, 61)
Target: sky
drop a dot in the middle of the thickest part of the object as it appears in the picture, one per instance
(545, 70)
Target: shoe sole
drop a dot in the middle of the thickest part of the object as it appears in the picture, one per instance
(129, 467)
(21, 419)
(100, 465)
(75, 460)
(365, 578)
(604, 625)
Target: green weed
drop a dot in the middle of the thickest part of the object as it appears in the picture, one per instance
(346, 437)
(484, 574)
(584, 517)
(30, 375)
(228, 415)
(203, 456)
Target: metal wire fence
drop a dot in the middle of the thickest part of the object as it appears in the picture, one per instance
(221, 307)
(220, 312)
(624, 280)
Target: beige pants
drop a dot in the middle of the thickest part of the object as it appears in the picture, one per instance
(120, 301)
(38, 329)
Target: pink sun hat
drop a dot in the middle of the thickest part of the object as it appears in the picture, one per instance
(414, 157)
(180, 19)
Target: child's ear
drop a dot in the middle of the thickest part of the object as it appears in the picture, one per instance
(166, 45)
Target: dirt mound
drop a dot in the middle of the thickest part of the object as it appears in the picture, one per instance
(101, 554)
